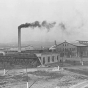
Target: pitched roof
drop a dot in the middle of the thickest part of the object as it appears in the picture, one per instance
(78, 44)
(47, 53)
(74, 44)
(22, 55)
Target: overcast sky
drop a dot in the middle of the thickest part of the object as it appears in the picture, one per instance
(72, 13)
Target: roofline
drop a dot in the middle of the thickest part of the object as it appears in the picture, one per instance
(71, 44)
(81, 40)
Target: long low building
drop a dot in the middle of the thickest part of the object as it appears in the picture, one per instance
(23, 48)
(23, 59)
(48, 57)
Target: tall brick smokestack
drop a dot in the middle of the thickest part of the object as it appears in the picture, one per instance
(19, 39)
(32, 25)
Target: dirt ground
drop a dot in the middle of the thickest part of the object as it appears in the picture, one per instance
(41, 78)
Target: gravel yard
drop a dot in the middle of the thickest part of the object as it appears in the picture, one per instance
(41, 77)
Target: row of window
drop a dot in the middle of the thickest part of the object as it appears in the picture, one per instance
(65, 44)
(83, 41)
(66, 49)
(53, 57)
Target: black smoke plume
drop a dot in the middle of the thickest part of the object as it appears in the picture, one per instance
(35, 24)
(62, 26)
(64, 29)
(48, 25)
(44, 24)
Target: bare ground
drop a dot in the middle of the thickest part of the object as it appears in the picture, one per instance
(40, 78)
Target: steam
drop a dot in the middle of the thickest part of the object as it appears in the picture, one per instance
(44, 24)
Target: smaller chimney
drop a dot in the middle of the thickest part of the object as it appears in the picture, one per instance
(65, 40)
(55, 42)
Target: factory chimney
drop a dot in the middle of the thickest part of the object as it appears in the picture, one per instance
(19, 39)
(55, 42)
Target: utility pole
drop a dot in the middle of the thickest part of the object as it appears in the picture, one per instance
(27, 76)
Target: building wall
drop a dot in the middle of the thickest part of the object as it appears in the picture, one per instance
(71, 50)
(67, 49)
(82, 51)
(52, 57)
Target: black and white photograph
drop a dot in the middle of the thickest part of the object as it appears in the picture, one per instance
(43, 43)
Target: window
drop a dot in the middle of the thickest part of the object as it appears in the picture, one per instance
(52, 58)
(48, 59)
(63, 49)
(73, 49)
(40, 58)
(57, 58)
(70, 49)
(43, 60)
(66, 49)
(65, 44)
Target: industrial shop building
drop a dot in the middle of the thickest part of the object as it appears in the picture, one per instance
(48, 57)
(69, 50)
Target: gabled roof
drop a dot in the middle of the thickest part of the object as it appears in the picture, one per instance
(74, 44)
(47, 53)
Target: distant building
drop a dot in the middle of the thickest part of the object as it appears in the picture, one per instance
(83, 42)
(23, 48)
